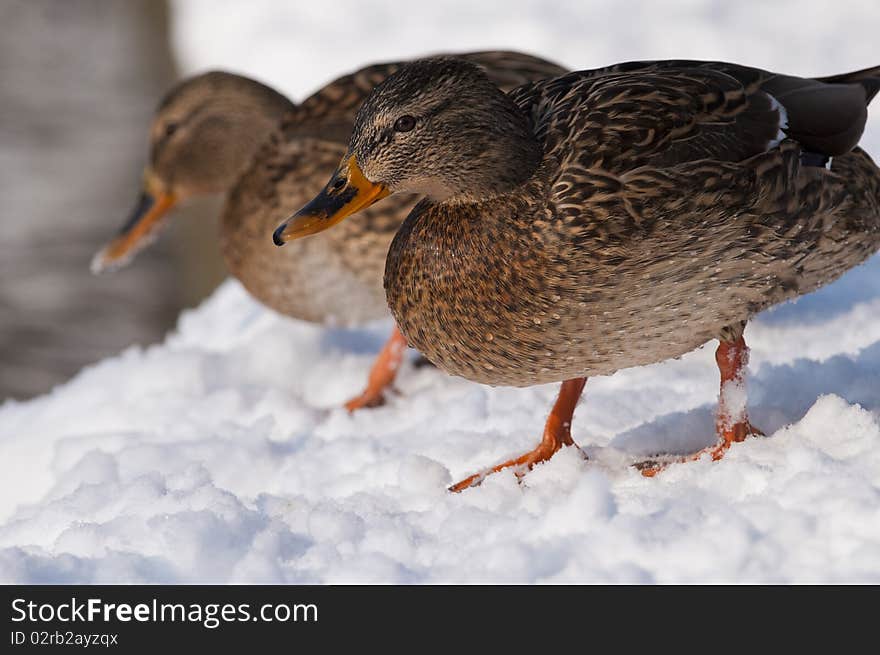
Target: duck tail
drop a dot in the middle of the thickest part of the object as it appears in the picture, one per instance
(869, 79)
(826, 115)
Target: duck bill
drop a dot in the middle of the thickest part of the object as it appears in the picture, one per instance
(347, 192)
(140, 229)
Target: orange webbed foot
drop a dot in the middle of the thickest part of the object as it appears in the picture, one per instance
(557, 433)
(738, 433)
(368, 398)
(733, 424)
(521, 465)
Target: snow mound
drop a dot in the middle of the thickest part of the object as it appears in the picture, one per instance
(223, 456)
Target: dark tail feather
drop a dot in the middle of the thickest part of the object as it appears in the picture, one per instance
(869, 78)
(826, 115)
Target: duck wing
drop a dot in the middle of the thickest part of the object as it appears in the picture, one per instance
(666, 113)
(509, 69)
(329, 112)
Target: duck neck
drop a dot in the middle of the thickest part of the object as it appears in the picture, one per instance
(507, 154)
(250, 129)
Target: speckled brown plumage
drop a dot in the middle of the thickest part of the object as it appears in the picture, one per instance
(335, 277)
(667, 208)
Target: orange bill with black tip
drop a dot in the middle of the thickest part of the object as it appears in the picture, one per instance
(139, 230)
(347, 192)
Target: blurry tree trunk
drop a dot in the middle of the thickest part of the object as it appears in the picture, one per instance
(79, 80)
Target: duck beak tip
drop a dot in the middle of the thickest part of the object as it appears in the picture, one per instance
(98, 264)
(278, 235)
(139, 230)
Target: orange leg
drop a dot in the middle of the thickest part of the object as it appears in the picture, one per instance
(732, 422)
(382, 374)
(557, 433)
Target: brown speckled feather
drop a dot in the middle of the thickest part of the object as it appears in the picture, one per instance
(335, 276)
(668, 208)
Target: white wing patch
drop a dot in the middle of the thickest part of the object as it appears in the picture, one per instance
(783, 122)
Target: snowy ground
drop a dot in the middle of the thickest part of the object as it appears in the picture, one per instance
(222, 456)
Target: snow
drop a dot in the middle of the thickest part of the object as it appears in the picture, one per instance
(223, 454)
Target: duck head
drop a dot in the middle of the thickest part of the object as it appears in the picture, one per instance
(438, 127)
(203, 135)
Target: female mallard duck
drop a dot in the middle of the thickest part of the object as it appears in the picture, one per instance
(607, 218)
(220, 132)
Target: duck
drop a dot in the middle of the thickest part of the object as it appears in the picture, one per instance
(223, 133)
(606, 218)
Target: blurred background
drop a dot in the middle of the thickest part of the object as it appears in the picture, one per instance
(79, 80)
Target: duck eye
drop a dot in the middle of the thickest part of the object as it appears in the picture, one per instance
(338, 183)
(170, 129)
(405, 123)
